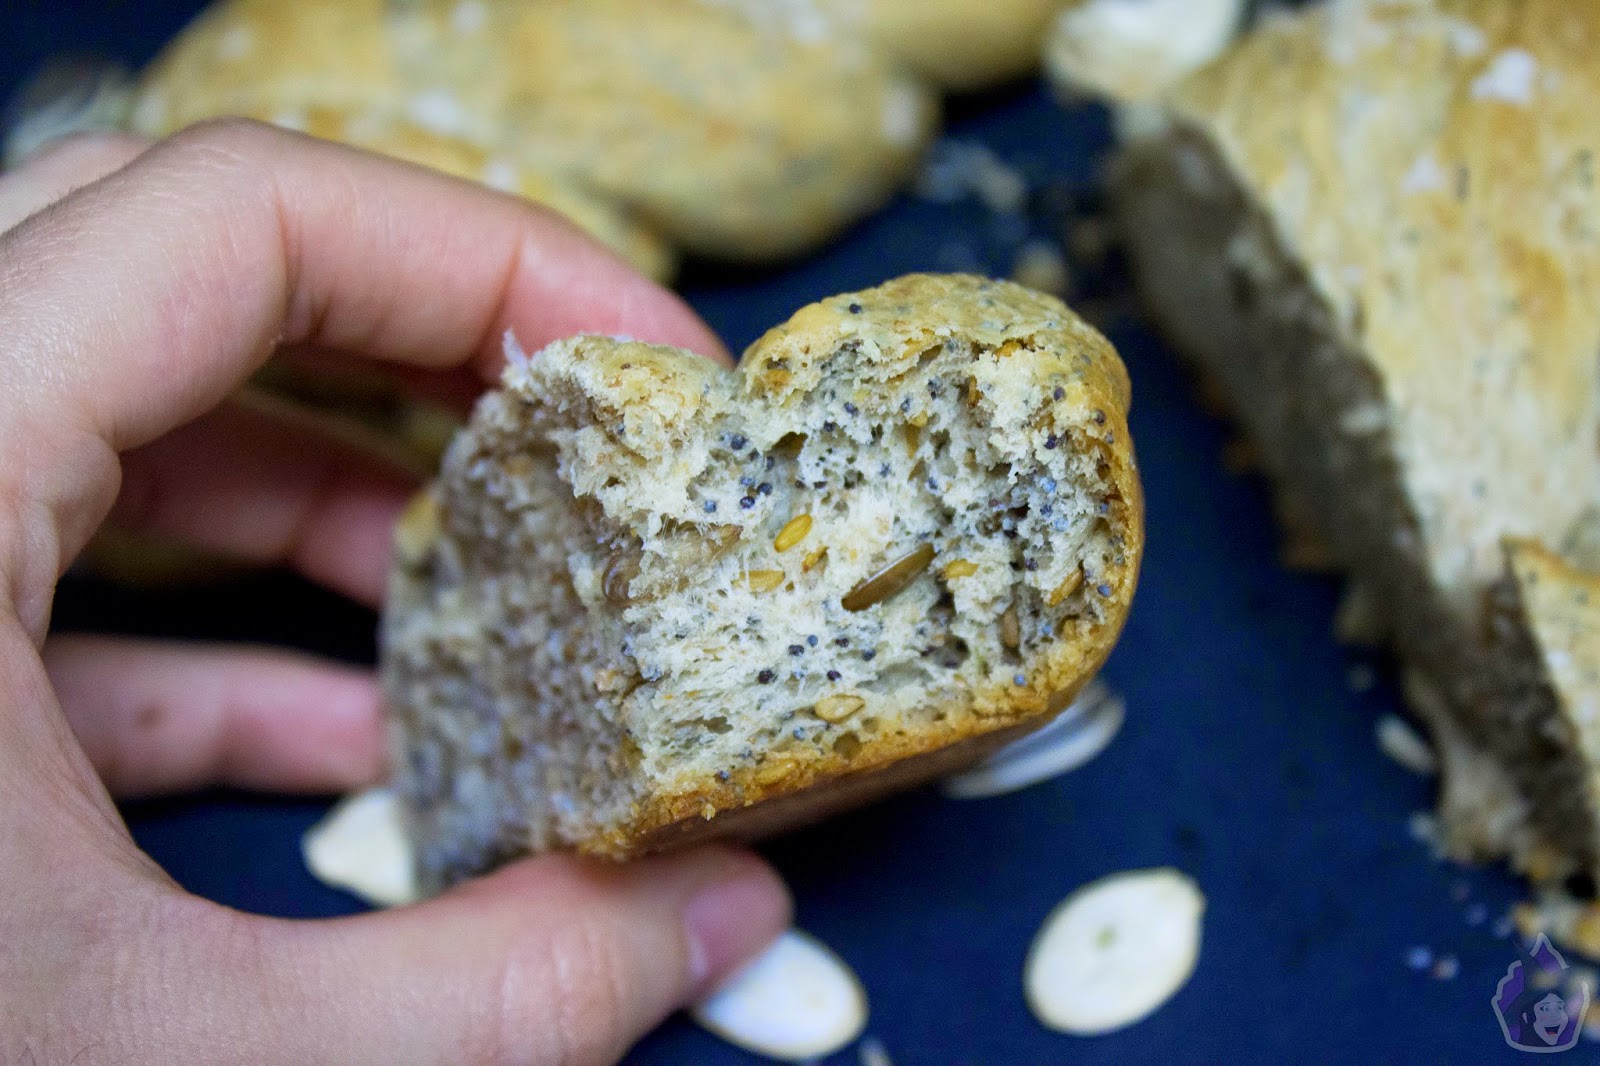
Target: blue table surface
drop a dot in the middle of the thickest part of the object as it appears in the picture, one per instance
(1247, 760)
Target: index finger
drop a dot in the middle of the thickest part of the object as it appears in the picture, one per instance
(141, 301)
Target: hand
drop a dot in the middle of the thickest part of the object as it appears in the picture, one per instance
(130, 310)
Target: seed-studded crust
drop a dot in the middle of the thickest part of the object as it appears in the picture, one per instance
(1062, 375)
(1372, 224)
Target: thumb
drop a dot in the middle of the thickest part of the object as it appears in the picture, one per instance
(550, 960)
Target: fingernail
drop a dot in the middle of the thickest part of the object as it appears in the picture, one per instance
(730, 922)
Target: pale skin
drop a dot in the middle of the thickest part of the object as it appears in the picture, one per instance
(139, 287)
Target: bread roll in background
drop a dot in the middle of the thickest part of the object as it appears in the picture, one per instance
(732, 142)
(1373, 225)
(650, 600)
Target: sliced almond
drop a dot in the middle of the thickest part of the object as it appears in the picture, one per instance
(361, 847)
(1076, 736)
(1114, 951)
(797, 1001)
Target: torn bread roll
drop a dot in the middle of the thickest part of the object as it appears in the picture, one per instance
(651, 600)
(1372, 224)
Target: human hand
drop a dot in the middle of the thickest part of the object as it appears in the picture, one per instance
(130, 310)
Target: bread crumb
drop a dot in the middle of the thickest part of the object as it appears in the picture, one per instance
(1405, 746)
(956, 170)
(1040, 266)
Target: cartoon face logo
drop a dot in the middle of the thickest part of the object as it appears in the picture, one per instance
(1540, 1008)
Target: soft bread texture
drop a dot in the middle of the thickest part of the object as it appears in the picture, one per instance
(606, 634)
(731, 142)
(1372, 224)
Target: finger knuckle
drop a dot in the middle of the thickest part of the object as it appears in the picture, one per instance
(228, 139)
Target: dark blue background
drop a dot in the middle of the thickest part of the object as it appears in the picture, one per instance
(1247, 759)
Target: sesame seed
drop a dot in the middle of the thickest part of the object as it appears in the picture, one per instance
(754, 454)
(1048, 484)
(797, 649)
(883, 470)
(933, 485)
(812, 640)
(1059, 394)
(766, 677)
(747, 502)
(850, 409)
(799, 732)
(1050, 442)
(1019, 679)
(747, 481)
(710, 506)
(1032, 564)
(1046, 509)
(843, 642)
(736, 442)
(1100, 417)
(723, 775)
(905, 405)
(764, 489)
(771, 461)
(869, 654)
(1104, 590)
(829, 426)
(834, 675)
(855, 309)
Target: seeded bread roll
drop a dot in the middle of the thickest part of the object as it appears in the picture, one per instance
(288, 64)
(649, 599)
(1372, 224)
(732, 142)
(735, 143)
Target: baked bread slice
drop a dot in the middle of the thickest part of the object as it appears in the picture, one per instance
(1372, 224)
(649, 599)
